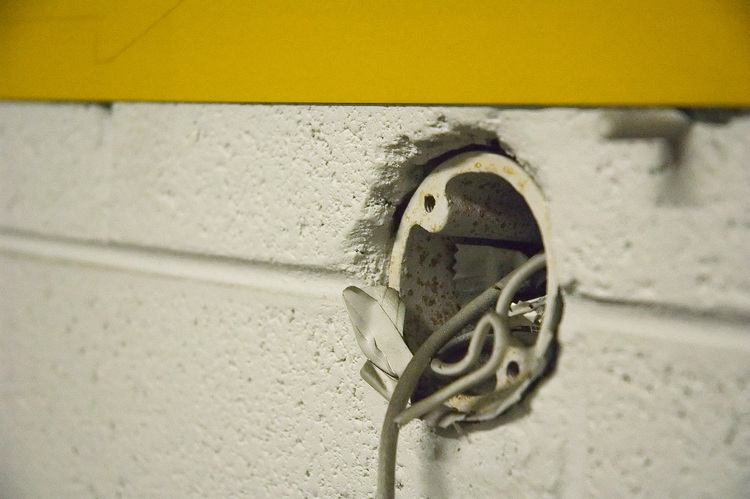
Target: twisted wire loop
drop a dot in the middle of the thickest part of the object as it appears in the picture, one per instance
(496, 320)
(478, 337)
(489, 321)
(397, 414)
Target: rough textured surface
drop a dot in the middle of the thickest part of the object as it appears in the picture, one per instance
(134, 372)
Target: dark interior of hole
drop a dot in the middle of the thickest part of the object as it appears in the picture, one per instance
(456, 350)
(535, 287)
(486, 206)
(485, 211)
(429, 203)
(528, 248)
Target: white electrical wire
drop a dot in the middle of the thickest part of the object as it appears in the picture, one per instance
(486, 323)
(498, 321)
(395, 415)
(476, 343)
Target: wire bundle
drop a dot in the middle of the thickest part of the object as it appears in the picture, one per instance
(397, 414)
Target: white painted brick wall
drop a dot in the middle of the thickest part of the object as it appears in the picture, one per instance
(171, 323)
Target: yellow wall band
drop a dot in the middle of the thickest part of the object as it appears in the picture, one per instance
(588, 52)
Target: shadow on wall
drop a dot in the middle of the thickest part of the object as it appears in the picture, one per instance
(678, 174)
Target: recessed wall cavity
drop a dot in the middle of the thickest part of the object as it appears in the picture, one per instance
(473, 220)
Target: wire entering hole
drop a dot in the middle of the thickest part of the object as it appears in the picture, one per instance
(429, 203)
(513, 369)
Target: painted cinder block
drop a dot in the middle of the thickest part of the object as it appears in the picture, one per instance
(633, 219)
(117, 383)
(55, 164)
(134, 361)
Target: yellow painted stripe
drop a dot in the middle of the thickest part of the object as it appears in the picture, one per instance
(565, 52)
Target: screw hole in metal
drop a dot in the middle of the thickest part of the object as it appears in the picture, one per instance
(429, 203)
(513, 369)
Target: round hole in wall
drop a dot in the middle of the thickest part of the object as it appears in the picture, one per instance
(492, 219)
(429, 203)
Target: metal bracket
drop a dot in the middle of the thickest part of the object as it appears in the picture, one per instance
(473, 220)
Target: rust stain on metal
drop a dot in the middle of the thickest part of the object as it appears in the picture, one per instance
(469, 199)
(462, 402)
